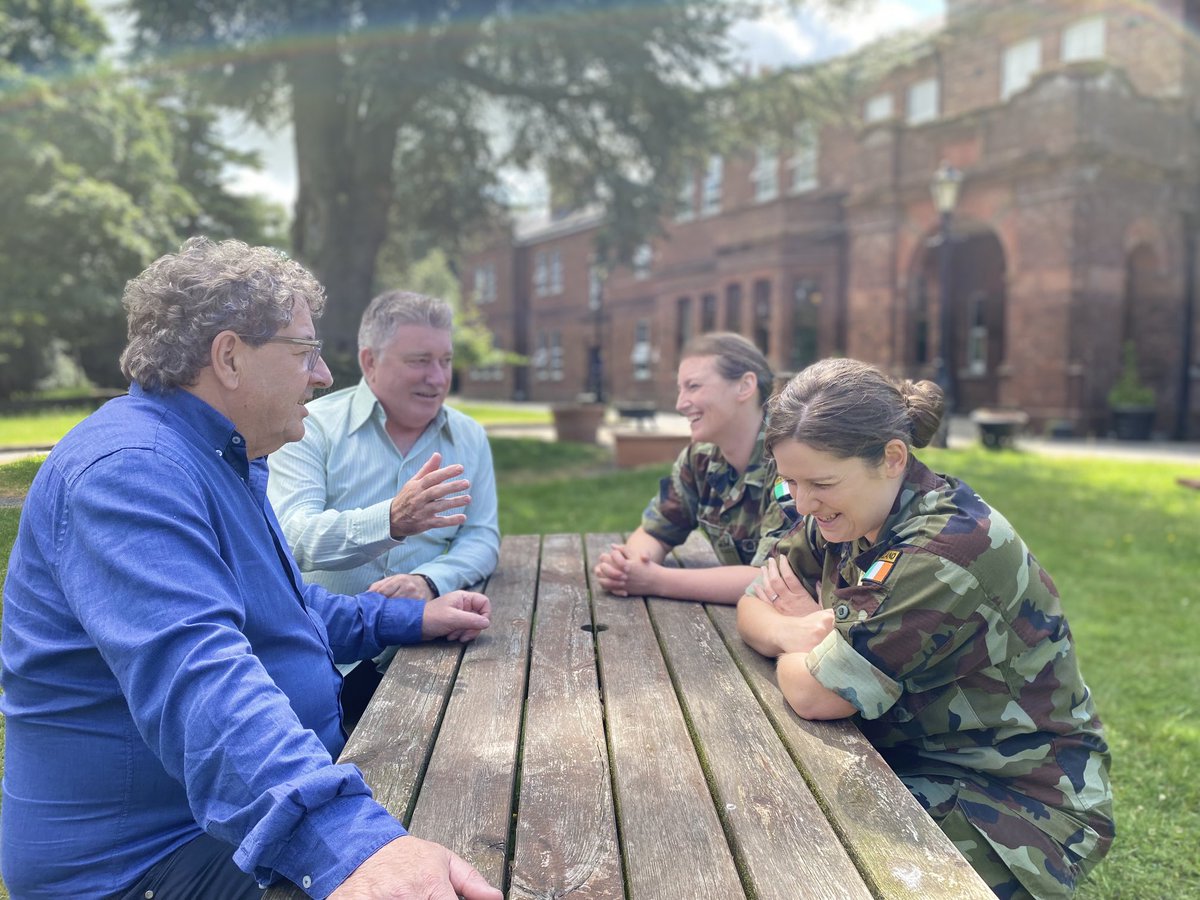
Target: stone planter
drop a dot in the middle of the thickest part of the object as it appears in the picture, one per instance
(1133, 423)
(999, 427)
(639, 448)
(577, 422)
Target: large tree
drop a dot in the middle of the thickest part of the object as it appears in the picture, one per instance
(421, 103)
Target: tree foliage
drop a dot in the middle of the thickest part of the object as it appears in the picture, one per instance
(416, 106)
(99, 174)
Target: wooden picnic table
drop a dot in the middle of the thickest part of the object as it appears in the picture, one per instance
(601, 747)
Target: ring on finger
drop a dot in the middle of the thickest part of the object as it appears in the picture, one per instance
(774, 597)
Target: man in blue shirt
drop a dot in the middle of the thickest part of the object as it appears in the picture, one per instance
(374, 497)
(170, 694)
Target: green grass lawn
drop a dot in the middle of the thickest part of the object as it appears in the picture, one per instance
(1120, 540)
(39, 429)
(42, 429)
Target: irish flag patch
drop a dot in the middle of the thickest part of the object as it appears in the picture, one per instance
(882, 567)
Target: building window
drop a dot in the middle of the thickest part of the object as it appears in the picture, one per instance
(1021, 62)
(541, 273)
(977, 334)
(1084, 40)
(595, 287)
(878, 108)
(490, 372)
(685, 200)
(710, 204)
(806, 303)
(683, 323)
(766, 175)
(642, 356)
(547, 272)
(733, 308)
(548, 357)
(923, 100)
(485, 283)
(556, 272)
(762, 315)
(708, 313)
(643, 259)
(803, 161)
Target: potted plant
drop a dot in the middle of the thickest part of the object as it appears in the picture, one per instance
(1131, 401)
(578, 421)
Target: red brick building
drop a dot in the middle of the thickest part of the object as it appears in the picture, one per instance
(1074, 125)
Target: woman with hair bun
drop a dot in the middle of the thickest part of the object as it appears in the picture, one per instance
(721, 483)
(935, 626)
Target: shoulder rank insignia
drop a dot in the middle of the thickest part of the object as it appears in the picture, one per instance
(882, 567)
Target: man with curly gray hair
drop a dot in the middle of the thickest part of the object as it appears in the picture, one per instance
(171, 703)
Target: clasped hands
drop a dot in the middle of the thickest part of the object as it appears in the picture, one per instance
(778, 586)
(624, 571)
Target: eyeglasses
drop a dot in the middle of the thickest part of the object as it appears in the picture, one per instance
(314, 345)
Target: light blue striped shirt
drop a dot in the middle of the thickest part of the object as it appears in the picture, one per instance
(332, 492)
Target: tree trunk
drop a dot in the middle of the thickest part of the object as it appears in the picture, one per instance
(344, 152)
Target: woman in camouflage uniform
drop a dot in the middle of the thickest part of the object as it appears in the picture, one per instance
(936, 627)
(721, 483)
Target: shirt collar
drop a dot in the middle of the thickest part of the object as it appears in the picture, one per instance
(918, 481)
(213, 428)
(365, 406)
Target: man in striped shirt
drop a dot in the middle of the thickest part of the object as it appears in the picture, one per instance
(375, 496)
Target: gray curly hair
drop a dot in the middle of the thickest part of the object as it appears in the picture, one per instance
(183, 300)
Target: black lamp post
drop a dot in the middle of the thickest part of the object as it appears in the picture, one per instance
(596, 278)
(946, 182)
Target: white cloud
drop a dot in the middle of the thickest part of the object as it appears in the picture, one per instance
(853, 29)
(774, 40)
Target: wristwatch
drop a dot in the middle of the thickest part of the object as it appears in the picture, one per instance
(431, 584)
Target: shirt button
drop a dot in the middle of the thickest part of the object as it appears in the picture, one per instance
(842, 611)
(306, 882)
(149, 895)
(237, 439)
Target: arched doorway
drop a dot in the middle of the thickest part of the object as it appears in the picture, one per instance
(978, 300)
(1149, 320)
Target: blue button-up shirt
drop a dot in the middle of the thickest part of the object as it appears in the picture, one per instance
(166, 670)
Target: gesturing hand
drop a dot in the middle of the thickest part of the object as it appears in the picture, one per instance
(419, 505)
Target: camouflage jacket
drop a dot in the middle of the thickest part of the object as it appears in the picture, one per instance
(738, 512)
(950, 640)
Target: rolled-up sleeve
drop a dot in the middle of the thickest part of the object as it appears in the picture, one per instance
(838, 668)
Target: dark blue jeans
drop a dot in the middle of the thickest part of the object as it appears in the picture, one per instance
(201, 869)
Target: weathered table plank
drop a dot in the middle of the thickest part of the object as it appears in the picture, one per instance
(465, 800)
(768, 809)
(900, 850)
(673, 842)
(657, 757)
(566, 835)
